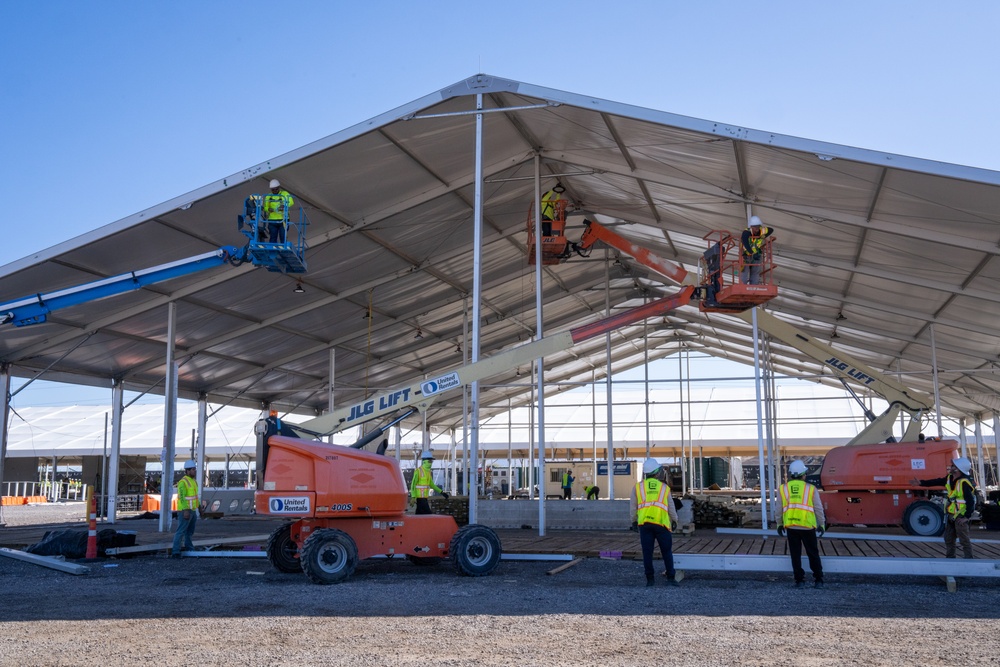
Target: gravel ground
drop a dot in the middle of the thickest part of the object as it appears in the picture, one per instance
(216, 611)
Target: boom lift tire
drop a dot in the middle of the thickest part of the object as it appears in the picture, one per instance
(924, 518)
(282, 551)
(475, 550)
(329, 556)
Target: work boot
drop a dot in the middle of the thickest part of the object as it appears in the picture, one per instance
(673, 582)
(819, 584)
(800, 584)
(650, 581)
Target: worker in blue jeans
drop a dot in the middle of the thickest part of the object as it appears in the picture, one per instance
(654, 516)
(188, 507)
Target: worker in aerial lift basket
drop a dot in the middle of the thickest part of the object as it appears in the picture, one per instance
(277, 208)
(961, 504)
(655, 517)
(550, 210)
(752, 251)
(802, 520)
(423, 482)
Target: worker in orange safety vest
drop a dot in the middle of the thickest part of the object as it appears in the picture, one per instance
(803, 521)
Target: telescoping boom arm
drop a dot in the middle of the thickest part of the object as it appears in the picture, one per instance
(421, 394)
(285, 256)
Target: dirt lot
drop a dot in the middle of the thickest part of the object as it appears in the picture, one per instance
(215, 611)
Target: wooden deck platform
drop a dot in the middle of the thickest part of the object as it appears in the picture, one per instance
(578, 543)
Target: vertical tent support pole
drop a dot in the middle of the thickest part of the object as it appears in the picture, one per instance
(4, 424)
(477, 293)
(169, 423)
(539, 363)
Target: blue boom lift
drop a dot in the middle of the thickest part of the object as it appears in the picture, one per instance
(287, 256)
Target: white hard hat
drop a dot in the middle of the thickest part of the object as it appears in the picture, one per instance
(963, 464)
(190, 464)
(427, 455)
(754, 220)
(274, 183)
(797, 469)
(650, 466)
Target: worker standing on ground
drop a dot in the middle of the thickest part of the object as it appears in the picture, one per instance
(422, 484)
(277, 207)
(567, 485)
(655, 516)
(592, 492)
(961, 504)
(550, 207)
(752, 251)
(188, 507)
(803, 520)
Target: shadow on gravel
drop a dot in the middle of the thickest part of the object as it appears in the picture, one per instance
(150, 587)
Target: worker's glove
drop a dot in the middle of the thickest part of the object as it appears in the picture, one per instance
(446, 495)
(781, 530)
(820, 531)
(186, 514)
(635, 525)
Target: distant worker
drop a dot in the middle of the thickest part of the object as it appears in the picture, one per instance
(277, 207)
(592, 492)
(567, 485)
(803, 521)
(655, 517)
(961, 504)
(921, 437)
(550, 207)
(752, 255)
(188, 508)
(423, 483)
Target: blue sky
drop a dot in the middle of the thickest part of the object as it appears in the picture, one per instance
(110, 107)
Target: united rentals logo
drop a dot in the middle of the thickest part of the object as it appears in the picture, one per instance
(289, 505)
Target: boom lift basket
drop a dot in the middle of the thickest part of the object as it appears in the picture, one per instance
(720, 268)
(284, 256)
(555, 245)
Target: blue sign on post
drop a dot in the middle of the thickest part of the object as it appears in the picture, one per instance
(621, 468)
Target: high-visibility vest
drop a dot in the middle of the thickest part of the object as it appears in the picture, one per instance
(797, 498)
(423, 482)
(653, 496)
(187, 494)
(566, 483)
(277, 207)
(956, 499)
(756, 243)
(549, 201)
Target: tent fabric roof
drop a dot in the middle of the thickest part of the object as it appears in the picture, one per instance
(873, 250)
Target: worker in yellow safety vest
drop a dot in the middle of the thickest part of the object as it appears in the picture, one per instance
(592, 492)
(803, 521)
(567, 485)
(752, 251)
(961, 494)
(277, 207)
(550, 207)
(188, 507)
(422, 484)
(655, 517)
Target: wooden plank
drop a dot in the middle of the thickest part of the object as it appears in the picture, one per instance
(568, 565)
(198, 543)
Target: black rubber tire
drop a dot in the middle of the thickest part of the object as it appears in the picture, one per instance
(329, 556)
(924, 518)
(475, 550)
(282, 551)
(423, 561)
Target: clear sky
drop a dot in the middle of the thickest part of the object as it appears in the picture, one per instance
(110, 107)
